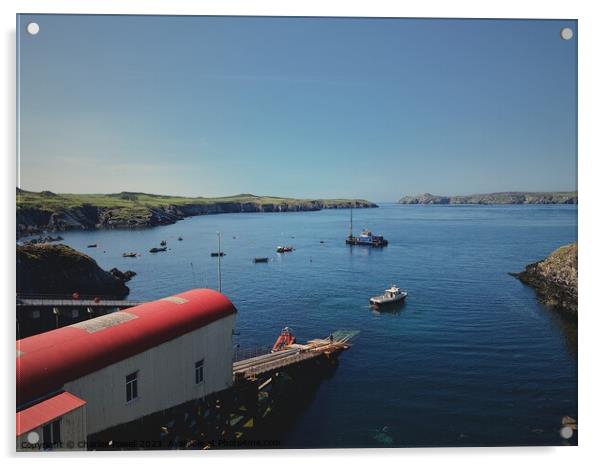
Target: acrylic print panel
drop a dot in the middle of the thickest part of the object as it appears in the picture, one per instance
(225, 238)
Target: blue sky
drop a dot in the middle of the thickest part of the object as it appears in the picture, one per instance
(372, 108)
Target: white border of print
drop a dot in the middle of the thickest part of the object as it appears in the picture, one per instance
(590, 38)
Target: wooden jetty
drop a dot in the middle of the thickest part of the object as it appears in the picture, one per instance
(251, 369)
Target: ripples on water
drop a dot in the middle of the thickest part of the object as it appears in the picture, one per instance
(471, 359)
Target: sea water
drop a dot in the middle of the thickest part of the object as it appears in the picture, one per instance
(472, 358)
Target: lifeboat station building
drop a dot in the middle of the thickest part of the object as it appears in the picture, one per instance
(76, 381)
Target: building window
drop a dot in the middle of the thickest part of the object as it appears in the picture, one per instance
(198, 371)
(52, 435)
(131, 386)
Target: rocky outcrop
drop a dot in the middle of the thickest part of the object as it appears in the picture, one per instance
(425, 198)
(122, 276)
(31, 221)
(555, 279)
(494, 198)
(61, 270)
(82, 217)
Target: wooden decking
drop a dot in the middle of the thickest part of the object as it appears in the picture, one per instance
(293, 354)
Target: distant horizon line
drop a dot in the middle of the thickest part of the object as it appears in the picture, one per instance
(423, 193)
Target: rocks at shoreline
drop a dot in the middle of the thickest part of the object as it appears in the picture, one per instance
(122, 276)
(59, 269)
(555, 279)
(44, 239)
(494, 198)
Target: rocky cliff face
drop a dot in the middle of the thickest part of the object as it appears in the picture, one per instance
(555, 279)
(90, 217)
(494, 198)
(59, 269)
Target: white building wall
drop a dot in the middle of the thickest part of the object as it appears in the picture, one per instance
(166, 377)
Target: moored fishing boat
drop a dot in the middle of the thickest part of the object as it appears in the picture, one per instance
(391, 296)
(366, 238)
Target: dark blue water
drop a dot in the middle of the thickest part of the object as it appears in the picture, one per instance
(471, 359)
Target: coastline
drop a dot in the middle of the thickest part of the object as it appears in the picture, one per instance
(554, 279)
(48, 212)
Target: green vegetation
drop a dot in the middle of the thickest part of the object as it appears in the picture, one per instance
(42, 252)
(53, 202)
(138, 203)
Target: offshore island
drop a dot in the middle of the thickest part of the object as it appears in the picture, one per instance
(48, 211)
(510, 197)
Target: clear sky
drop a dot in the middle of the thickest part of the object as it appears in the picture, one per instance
(371, 108)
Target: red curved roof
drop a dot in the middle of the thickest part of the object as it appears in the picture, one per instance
(48, 360)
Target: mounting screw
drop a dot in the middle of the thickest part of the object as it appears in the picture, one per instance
(33, 28)
(566, 33)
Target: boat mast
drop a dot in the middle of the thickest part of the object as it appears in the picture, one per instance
(219, 261)
(351, 222)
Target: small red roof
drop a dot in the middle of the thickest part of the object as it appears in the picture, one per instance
(46, 411)
(47, 361)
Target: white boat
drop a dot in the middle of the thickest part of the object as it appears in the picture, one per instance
(392, 295)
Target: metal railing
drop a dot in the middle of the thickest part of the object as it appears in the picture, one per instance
(31, 299)
(65, 296)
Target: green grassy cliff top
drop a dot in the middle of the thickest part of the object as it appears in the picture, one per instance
(49, 201)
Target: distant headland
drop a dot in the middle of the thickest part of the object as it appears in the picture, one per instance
(517, 197)
(48, 211)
